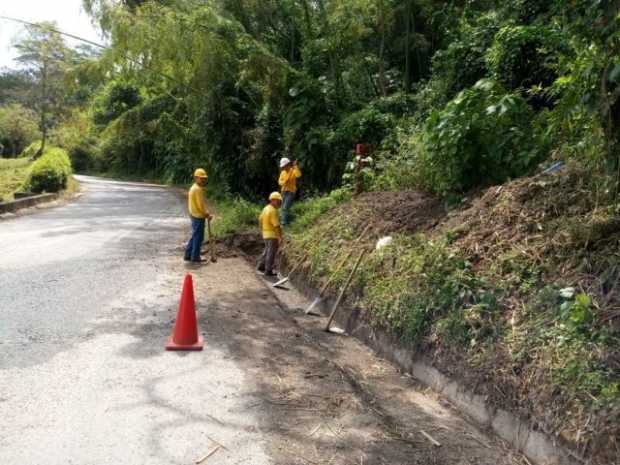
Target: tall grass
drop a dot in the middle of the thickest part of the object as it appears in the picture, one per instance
(13, 174)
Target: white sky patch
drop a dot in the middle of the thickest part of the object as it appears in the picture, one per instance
(68, 15)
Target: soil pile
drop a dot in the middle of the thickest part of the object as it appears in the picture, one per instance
(390, 212)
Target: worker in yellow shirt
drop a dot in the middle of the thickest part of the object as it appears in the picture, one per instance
(289, 174)
(272, 234)
(198, 212)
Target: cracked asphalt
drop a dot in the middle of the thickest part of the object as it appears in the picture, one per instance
(88, 294)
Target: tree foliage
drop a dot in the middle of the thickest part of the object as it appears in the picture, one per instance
(235, 84)
(18, 128)
(45, 57)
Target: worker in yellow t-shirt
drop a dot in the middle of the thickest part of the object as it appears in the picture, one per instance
(198, 212)
(289, 174)
(272, 234)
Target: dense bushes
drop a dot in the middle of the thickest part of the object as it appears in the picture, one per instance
(279, 80)
(525, 56)
(482, 136)
(50, 172)
(18, 128)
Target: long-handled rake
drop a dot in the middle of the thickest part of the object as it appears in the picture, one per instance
(311, 310)
(211, 242)
(291, 273)
(344, 290)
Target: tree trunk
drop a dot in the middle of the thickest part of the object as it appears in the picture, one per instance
(43, 115)
(408, 47)
(382, 27)
(307, 18)
(333, 62)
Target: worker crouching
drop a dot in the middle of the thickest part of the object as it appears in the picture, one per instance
(272, 234)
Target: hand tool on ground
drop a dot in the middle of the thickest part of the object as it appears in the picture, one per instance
(315, 303)
(344, 289)
(293, 271)
(211, 242)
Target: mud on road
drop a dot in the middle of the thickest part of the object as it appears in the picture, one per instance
(324, 398)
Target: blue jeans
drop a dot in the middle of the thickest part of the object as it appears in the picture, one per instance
(192, 252)
(287, 201)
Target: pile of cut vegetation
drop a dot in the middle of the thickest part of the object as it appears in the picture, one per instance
(516, 293)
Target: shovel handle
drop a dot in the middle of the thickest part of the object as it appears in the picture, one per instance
(344, 289)
(344, 260)
(299, 263)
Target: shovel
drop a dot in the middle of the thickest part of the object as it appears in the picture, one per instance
(287, 278)
(315, 303)
(343, 291)
(211, 242)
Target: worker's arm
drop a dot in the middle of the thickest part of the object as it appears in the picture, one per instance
(275, 223)
(201, 203)
(284, 176)
(296, 171)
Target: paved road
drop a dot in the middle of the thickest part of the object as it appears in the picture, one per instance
(88, 292)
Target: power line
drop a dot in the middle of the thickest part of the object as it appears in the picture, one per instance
(95, 44)
(53, 29)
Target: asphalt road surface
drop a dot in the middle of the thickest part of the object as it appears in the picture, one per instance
(88, 296)
(88, 292)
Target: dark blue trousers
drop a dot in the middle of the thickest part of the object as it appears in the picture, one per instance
(192, 252)
(287, 202)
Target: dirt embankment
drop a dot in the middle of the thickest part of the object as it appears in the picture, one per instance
(526, 240)
(393, 212)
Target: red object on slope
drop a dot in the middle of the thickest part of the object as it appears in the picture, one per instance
(185, 335)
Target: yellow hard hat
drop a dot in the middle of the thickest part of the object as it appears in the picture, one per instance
(275, 196)
(200, 173)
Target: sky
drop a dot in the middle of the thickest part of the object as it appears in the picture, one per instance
(68, 14)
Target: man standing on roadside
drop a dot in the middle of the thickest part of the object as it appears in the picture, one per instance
(272, 234)
(288, 184)
(197, 206)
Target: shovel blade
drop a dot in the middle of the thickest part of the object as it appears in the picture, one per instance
(312, 308)
(280, 283)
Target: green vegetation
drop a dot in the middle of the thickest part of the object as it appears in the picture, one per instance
(18, 128)
(516, 295)
(450, 97)
(50, 172)
(234, 216)
(13, 175)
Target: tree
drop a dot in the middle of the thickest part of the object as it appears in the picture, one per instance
(46, 58)
(15, 87)
(18, 128)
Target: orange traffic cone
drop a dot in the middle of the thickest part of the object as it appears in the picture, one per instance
(185, 335)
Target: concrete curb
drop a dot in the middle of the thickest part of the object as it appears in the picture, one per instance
(15, 205)
(540, 448)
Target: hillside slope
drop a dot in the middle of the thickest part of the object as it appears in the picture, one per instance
(516, 293)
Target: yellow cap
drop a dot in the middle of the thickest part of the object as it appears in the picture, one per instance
(275, 196)
(200, 173)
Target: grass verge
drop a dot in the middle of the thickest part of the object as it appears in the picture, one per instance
(13, 174)
(516, 294)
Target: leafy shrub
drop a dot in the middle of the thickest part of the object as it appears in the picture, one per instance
(83, 155)
(234, 216)
(18, 127)
(308, 211)
(76, 136)
(483, 136)
(32, 149)
(463, 63)
(50, 172)
(115, 100)
(524, 56)
(367, 126)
